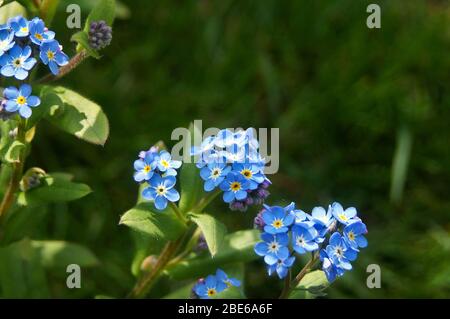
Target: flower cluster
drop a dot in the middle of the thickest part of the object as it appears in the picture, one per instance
(287, 230)
(158, 171)
(21, 43)
(231, 162)
(100, 35)
(213, 284)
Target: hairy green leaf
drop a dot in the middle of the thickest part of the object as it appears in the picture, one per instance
(82, 38)
(53, 189)
(75, 114)
(213, 230)
(158, 225)
(10, 10)
(312, 285)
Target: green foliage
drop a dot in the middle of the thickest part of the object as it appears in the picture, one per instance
(75, 114)
(237, 247)
(213, 230)
(311, 286)
(158, 225)
(53, 189)
(11, 9)
(60, 254)
(103, 10)
(13, 153)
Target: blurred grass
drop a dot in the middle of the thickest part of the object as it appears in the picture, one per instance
(338, 91)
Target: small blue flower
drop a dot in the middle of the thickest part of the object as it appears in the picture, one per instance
(343, 216)
(235, 187)
(281, 267)
(38, 32)
(353, 235)
(20, 100)
(161, 190)
(304, 237)
(250, 172)
(167, 165)
(273, 248)
(340, 253)
(209, 287)
(213, 174)
(17, 62)
(145, 167)
(6, 40)
(20, 26)
(51, 54)
(276, 219)
(229, 282)
(329, 268)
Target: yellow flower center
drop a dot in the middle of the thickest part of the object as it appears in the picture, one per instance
(247, 173)
(277, 223)
(147, 168)
(351, 236)
(50, 55)
(21, 100)
(211, 292)
(164, 163)
(24, 29)
(161, 190)
(273, 247)
(343, 217)
(17, 62)
(235, 186)
(38, 36)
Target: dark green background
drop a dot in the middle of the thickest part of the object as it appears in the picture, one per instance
(340, 93)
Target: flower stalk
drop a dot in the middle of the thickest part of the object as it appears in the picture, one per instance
(15, 178)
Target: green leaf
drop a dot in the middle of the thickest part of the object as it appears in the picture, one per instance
(22, 222)
(312, 285)
(13, 153)
(53, 189)
(47, 9)
(11, 10)
(60, 254)
(159, 225)
(213, 230)
(75, 114)
(21, 272)
(104, 10)
(191, 184)
(237, 247)
(82, 38)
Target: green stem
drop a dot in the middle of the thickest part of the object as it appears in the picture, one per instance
(178, 212)
(306, 269)
(73, 63)
(205, 201)
(16, 175)
(146, 282)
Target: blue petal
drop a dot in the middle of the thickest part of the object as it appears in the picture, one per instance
(25, 90)
(21, 74)
(7, 70)
(25, 111)
(172, 195)
(160, 202)
(228, 197)
(261, 249)
(11, 93)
